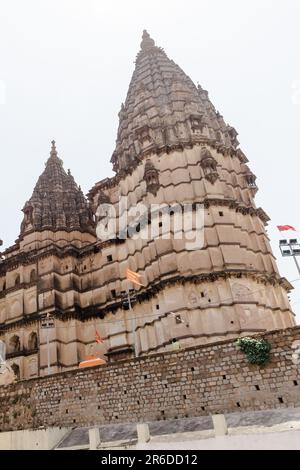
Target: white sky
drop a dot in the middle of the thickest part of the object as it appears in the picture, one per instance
(65, 67)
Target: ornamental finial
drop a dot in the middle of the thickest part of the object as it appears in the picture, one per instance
(147, 42)
(53, 152)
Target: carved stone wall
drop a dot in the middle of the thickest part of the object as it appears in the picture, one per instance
(173, 147)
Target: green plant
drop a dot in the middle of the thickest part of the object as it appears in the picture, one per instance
(256, 350)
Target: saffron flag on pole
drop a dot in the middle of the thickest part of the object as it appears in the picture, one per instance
(98, 338)
(133, 277)
(283, 228)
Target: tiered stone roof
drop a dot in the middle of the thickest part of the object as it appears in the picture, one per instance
(164, 110)
(57, 202)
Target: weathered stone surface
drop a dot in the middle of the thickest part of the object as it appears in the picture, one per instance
(57, 201)
(152, 388)
(173, 147)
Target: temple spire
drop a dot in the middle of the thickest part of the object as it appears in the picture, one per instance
(164, 109)
(147, 41)
(57, 203)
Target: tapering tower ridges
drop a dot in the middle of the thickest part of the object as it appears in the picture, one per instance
(172, 148)
(165, 110)
(57, 202)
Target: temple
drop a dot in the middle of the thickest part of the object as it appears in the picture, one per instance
(173, 147)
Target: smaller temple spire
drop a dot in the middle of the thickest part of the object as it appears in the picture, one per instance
(57, 203)
(147, 42)
(53, 152)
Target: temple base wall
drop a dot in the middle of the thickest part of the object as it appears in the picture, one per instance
(196, 381)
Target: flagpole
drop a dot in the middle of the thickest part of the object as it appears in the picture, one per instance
(133, 324)
(48, 352)
(297, 264)
(47, 323)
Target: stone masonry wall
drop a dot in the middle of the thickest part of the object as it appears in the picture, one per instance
(191, 382)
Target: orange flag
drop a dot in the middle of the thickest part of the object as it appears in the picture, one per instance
(133, 277)
(98, 338)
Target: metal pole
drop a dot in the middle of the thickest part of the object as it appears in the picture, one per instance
(291, 252)
(294, 256)
(133, 325)
(48, 350)
(296, 262)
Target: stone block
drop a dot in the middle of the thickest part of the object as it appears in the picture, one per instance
(220, 425)
(143, 433)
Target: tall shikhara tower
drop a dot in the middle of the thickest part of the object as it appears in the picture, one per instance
(172, 147)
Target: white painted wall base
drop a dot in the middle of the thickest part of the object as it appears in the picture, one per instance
(41, 439)
(94, 438)
(220, 425)
(143, 433)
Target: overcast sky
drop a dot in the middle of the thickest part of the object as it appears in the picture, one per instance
(65, 66)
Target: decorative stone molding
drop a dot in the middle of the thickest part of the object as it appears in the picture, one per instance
(233, 136)
(143, 134)
(197, 123)
(167, 100)
(159, 150)
(151, 177)
(250, 179)
(57, 202)
(209, 165)
(102, 199)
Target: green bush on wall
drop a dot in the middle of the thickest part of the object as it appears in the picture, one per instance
(256, 350)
